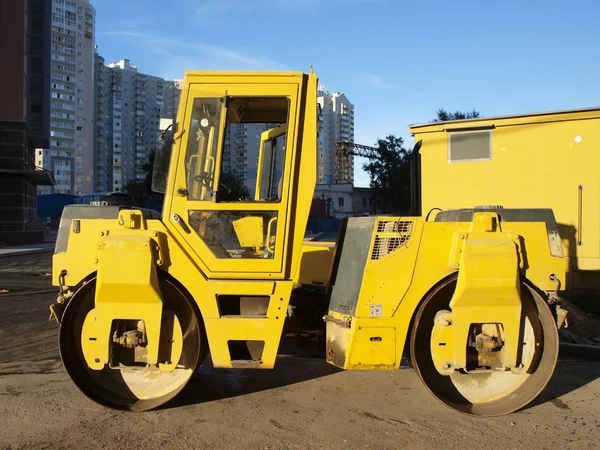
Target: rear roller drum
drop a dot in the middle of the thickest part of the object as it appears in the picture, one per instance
(132, 388)
(489, 393)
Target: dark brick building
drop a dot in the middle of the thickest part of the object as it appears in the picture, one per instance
(24, 115)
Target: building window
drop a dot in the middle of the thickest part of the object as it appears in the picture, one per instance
(340, 201)
(469, 145)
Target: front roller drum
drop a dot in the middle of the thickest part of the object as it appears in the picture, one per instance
(129, 387)
(490, 393)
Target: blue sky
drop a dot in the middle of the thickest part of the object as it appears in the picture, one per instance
(397, 61)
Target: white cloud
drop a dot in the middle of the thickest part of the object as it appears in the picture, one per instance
(217, 11)
(211, 13)
(177, 56)
(128, 22)
(307, 3)
(374, 81)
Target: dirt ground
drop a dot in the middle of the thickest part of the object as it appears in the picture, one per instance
(302, 403)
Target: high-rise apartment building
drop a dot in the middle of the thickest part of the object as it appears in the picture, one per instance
(102, 111)
(24, 83)
(337, 125)
(128, 111)
(171, 94)
(241, 145)
(70, 154)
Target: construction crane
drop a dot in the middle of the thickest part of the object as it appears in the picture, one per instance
(342, 166)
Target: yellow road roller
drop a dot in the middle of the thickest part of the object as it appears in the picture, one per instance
(226, 270)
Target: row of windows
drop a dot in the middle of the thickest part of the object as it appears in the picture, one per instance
(60, 48)
(63, 106)
(61, 115)
(63, 68)
(67, 125)
(61, 77)
(67, 4)
(63, 96)
(64, 31)
(69, 24)
(62, 134)
(63, 87)
(61, 144)
(66, 59)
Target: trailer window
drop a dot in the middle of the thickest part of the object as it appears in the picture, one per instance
(469, 145)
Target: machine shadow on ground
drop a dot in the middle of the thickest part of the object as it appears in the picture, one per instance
(568, 377)
(298, 365)
(294, 365)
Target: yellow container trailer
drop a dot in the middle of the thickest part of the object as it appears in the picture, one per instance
(545, 160)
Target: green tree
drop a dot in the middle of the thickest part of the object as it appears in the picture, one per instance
(390, 175)
(443, 116)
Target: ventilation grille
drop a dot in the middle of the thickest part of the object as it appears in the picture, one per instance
(391, 235)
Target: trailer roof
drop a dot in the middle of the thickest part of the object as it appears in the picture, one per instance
(514, 119)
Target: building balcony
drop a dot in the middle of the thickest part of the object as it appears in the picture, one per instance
(34, 174)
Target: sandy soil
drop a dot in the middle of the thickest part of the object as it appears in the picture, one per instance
(302, 403)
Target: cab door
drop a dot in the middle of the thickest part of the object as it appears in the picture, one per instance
(229, 223)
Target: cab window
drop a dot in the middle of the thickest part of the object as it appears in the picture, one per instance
(254, 149)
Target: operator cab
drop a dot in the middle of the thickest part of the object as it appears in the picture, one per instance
(233, 184)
